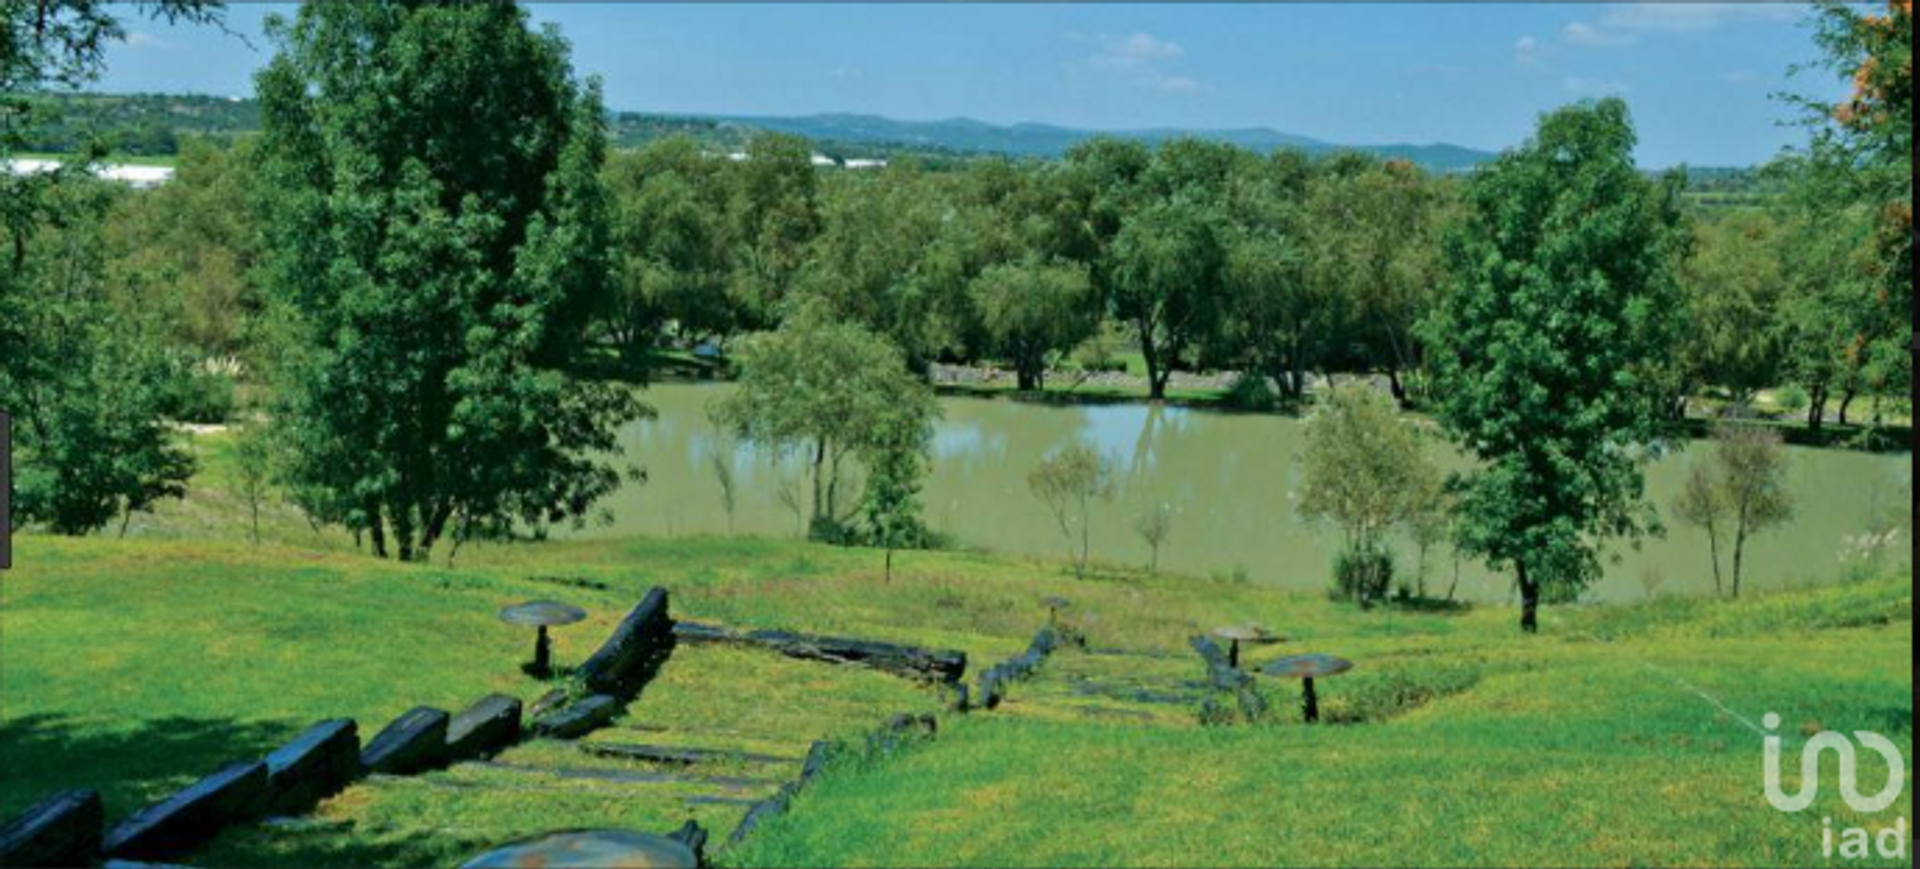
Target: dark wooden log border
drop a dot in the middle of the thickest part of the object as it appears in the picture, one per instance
(1225, 677)
(995, 681)
(913, 662)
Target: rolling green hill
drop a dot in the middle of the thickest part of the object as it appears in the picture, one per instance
(152, 124)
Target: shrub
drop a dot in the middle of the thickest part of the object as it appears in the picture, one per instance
(1791, 398)
(1250, 392)
(203, 396)
(1394, 689)
(1362, 575)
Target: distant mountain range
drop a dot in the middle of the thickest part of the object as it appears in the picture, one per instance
(151, 124)
(969, 136)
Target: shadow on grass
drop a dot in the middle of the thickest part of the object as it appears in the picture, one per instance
(135, 762)
(343, 846)
(131, 762)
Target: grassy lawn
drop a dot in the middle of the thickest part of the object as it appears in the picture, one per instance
(1617, 737)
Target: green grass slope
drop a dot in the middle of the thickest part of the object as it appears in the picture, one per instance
(1622, 735)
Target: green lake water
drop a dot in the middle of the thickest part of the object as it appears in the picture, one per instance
(1231, 478)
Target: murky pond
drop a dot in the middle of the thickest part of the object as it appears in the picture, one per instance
(1231, 479)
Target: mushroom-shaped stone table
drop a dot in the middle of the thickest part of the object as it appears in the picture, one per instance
(603, 849)
(542, 614)
(1252, 635)
(1307, 668)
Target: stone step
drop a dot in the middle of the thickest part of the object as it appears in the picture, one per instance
(622, 776)
(534, 785)
(678, 756)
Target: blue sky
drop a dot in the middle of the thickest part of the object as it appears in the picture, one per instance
(1698, 76)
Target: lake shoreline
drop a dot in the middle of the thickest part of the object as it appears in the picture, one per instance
(1205, 393)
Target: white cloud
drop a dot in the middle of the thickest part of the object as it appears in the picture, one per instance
(1178, 84)
(1593, 87)
(1582, 33)
(143, 39)
(1136, 50)
(1527, 51)
(1141, 59)
(1678, 16)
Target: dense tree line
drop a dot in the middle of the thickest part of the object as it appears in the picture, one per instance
(426, 266)
(1202, 256)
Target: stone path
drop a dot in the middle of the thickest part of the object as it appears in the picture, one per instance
(719, 731)
(722, 731)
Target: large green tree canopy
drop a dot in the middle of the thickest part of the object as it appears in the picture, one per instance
(1548, 345)
(437, 242)
(87, 385)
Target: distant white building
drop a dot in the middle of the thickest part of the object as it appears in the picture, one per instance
(822, 161)
(130, 175)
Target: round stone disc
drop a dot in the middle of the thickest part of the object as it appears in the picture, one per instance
(1251, 634)
(1307, 667)
(542, 613)
(603, 849)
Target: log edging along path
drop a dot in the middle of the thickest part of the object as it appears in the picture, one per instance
(899, 731)
(994, 682)
(1223, 677)
(913, 662)
(67, 828)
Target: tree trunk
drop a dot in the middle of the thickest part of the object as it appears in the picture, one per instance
(819, 464)
(1394, 385)
(1298, 359)
(889, 571)
(1529, 602)
(1086, 537)
(1816, 407)
(1846, 401)
(1028, 380)
(1739, 547)
(1713, 550)
(377, 532)
(1156, 384)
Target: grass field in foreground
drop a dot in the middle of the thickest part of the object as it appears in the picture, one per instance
(1616, 737)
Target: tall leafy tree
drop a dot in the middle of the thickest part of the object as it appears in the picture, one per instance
(1168, 277)
(1833, 312)
(1277, 320)
(90, 380)
(1861, 154)
(1547, 345)
(438, 235)
(188, 249)
(1735, 285)
(835, 391)
(670, 254)
(773, 215)
(865, 263)
(1373, 242)
(1032, 311)
(85, 382)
